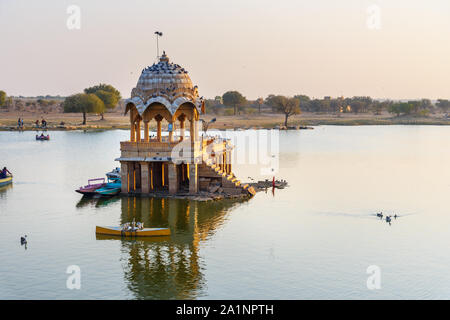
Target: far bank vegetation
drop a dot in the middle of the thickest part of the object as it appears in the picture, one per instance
(102, 99)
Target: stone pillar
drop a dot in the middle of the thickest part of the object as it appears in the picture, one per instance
(181, 130)
(182, 119)
(146, 138)
(171, 132)
(158, 119)
(158, 130)
(132, 133)
(131, 183)
(193, 178)
(124, 176)
(195, 130)
(145, 178)
(192, 130)
(173, 178)
(138, 130)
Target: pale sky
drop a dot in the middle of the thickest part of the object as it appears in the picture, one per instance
(258, 47)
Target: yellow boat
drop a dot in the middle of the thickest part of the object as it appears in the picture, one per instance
(146, 232)
(5, 181)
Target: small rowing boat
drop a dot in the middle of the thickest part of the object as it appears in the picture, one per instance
(145, 232)
(42, 137)
(5, 181)
(110, 189)
(92, 185)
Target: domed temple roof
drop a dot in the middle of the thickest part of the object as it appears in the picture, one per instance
(165, 83)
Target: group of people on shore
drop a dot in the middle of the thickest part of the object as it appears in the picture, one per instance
(43, 123)
(20, 123)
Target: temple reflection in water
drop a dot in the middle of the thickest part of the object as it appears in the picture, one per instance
(168, 267)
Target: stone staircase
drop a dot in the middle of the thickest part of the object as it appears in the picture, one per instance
(229, 183)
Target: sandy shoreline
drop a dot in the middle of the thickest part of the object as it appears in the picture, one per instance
(116, 120)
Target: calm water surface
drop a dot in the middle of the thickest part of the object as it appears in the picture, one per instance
(314, 239)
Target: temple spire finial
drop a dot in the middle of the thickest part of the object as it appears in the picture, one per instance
(164, 57)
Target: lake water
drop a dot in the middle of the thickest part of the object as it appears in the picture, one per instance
(313, 240)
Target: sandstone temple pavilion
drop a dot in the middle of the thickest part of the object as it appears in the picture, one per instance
(177, 161)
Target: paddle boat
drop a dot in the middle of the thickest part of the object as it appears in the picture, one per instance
(92, 186)
(136, 232)
(42, 137)
(110, 189)
(6, 181)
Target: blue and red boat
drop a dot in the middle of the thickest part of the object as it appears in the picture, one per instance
(93, 184)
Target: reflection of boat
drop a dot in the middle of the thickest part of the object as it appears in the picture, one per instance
(146, 232)
(5, 181)
(96, 202)
(114, 174)
(110, 189)
(90, 188)
(42, 137)
(158, 239)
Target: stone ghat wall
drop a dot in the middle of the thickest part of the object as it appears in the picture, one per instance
(211, 178)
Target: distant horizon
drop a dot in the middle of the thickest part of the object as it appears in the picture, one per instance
(375, 48)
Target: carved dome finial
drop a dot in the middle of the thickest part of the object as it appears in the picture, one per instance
(164, 57)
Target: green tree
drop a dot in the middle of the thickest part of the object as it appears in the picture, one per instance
(287, 106)
(401, 108)
(425, 104)
(83, 103)
(259, 102)
(234, 99)
(218, 100)
(305, 101)
(107, 93)
(443, 104)
(2, 98)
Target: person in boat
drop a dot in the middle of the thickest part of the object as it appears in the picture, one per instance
(42, 135)
(4, 173)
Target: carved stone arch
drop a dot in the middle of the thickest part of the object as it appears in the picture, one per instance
(155, 109)
(189, 109)
(134, 113)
